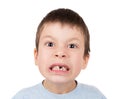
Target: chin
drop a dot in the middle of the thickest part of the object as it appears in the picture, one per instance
(59, 80)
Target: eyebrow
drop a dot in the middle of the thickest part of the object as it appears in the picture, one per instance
(74, 39)
(48, 36)
(71, 39)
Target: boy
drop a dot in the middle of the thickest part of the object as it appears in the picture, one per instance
(62, 51)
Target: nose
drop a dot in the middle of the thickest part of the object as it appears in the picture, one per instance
(60, 54)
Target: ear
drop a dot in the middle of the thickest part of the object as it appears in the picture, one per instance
(35, 55)
(85, 61)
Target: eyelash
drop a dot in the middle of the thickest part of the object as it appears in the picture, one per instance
(51, 44)
(72, 45)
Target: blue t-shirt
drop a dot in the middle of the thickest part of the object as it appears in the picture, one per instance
(81, 91)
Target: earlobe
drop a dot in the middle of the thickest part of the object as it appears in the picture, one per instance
(85, 59)
(35, 56)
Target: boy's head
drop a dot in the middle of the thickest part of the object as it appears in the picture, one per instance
(69, 17)
(62, 46)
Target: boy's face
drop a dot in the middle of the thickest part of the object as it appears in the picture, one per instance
(60, 56)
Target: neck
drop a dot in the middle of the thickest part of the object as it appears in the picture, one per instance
(59, 88)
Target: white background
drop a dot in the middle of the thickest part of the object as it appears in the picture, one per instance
(18, 23)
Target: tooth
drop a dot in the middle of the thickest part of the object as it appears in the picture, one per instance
(63, 68)
(56, 68)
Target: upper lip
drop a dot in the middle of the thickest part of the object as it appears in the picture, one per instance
(59, 64)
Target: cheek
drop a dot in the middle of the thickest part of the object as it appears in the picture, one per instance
(77, 58)
(78, 62)
(77, 65)
(43, 57)
(43, 53)
(41, 62)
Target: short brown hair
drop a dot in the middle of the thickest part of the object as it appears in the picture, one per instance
(65, 16)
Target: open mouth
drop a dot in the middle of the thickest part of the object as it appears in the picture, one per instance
(63, 68)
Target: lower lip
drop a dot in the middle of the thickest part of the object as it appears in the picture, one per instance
(59, 72)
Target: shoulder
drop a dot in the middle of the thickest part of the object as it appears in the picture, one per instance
(27, 93)
(88, 88)
(90, 91)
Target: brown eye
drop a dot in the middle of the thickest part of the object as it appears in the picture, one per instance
(50, 44)
(72, 46)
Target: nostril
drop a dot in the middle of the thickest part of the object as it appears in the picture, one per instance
(56, 55)
(59, 55)
(63, 55)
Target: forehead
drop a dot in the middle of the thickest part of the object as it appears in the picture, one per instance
(57, 27)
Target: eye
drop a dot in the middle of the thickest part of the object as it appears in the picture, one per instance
(72, 46)
(49, 44)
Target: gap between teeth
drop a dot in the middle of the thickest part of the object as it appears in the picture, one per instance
(62, 68)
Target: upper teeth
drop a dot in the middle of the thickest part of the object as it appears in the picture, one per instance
(62, 68)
